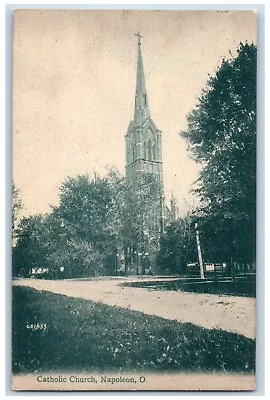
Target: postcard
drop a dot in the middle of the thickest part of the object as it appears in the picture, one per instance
(134, 200)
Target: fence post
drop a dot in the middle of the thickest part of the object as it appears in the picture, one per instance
(199, 251)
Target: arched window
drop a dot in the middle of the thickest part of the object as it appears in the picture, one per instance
(149, 150)
(145, 150)
(133, 152)
(157, 152)
(154, 152)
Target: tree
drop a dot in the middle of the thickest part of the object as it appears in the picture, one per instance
(78, 238)
(94, 221)
(141, 220)
(89, 208)
(221, 135)
(178, 246)
(30, 249)
(16, 208)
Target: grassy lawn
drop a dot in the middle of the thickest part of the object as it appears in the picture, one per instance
(84, 336)
(241, 287)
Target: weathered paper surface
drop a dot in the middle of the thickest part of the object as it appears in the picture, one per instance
(74, 78)
(112, 382)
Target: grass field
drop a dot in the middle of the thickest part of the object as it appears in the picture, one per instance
(84, 336)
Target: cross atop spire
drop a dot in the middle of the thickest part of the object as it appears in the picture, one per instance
(139, 37)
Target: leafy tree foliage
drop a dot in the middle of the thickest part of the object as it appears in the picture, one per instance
(178, 246)
(30, 250)
(95, 219)
(88, 211)
(221, 135)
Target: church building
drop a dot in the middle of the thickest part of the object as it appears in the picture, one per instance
(144, 158)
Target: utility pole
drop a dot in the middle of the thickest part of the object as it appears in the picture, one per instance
(199, 251)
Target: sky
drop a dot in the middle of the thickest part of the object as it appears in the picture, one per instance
(74, 78)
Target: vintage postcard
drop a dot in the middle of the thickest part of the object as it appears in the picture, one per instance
(134, 200)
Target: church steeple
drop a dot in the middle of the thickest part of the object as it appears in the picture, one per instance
(143, 138)
(141, 101)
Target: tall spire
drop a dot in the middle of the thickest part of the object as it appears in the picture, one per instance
(141, 101)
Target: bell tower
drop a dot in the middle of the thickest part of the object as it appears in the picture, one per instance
(143, 138)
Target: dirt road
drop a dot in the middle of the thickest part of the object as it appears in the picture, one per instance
(233, 314)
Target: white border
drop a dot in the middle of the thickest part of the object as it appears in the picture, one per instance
(5, 177)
